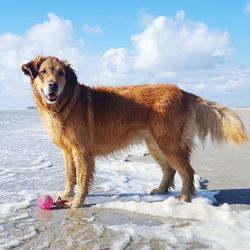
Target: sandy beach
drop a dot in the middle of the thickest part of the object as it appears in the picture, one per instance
(119, 212)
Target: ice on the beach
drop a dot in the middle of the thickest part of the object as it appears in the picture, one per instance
(31, 165)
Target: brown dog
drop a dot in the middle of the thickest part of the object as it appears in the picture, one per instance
(89, 122)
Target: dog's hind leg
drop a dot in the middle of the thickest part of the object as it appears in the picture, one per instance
(167, 181)
(168, 172)
(178, 155)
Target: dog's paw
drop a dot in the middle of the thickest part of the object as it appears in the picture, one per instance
(158, 191)
(76, 203)
(185, 197)
(64, 194)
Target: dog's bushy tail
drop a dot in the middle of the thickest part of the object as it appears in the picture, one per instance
(223, 124)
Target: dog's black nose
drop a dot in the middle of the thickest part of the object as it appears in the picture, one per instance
(53, 86)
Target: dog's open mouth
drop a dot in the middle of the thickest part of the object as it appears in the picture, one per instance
(51, 97)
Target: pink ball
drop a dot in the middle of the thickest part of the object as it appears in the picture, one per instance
(45, 201)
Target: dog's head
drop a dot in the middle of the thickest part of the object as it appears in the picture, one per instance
(49, 76)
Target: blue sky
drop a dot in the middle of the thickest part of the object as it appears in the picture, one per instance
(119, 19)
(97, 27)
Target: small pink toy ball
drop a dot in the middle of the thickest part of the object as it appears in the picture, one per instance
(45, 201)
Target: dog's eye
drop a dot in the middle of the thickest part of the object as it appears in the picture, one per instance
(43, 71)
(60, 73)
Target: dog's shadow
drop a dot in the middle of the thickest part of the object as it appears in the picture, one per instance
(102, 198)
(233, 196)
(229, 196)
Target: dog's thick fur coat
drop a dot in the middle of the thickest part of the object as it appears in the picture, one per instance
(89, 122)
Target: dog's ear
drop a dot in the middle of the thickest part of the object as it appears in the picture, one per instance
(31, 68)
(71, 77)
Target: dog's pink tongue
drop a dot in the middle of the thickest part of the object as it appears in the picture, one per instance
(51, 96)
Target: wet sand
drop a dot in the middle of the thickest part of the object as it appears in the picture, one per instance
(226, 167)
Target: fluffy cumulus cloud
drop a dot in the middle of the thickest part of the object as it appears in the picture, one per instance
(173, 44)
(115, 65)
(167, 50)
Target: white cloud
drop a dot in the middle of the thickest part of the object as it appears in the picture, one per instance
(169, 44)
(247, 8)
(229, 85)
(167, 50)
(115, 65)
(94, 30)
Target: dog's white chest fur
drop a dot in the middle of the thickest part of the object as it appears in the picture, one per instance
(53, 125)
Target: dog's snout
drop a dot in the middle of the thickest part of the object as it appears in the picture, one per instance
(53, 86)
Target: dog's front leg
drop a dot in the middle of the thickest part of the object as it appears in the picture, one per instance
(70, 171)
(84, 164)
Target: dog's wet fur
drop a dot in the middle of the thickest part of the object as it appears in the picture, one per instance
(87, 122)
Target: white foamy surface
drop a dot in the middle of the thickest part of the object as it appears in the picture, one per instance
(30, 165)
